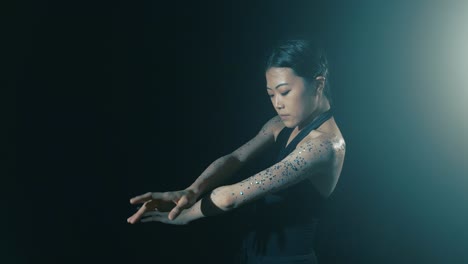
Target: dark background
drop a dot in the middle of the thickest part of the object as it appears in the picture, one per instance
(111, 100)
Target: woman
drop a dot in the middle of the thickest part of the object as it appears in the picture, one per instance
(285, 199)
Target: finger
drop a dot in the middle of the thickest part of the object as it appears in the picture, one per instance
(165, 196)
(138, 207)
(153, 216)
(181, 205)
(141, 198)
(136, 216)
(174, 213)
(183, 202)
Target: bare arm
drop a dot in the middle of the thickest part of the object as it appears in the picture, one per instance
(215, 175)
(308, 160)
(223, 168)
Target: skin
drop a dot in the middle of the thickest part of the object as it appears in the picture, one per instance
(318, 157)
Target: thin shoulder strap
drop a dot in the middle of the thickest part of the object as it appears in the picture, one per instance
(313, 125)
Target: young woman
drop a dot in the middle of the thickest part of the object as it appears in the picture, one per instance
(286, 198)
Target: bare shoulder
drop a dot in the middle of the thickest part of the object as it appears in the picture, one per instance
(326, 151)
(335, 142)
(255, 146)
(327, 141)
(272, 127)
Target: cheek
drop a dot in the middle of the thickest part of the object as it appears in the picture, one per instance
(299, 108)
(296, 103)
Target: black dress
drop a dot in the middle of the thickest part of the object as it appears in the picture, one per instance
(281, 225)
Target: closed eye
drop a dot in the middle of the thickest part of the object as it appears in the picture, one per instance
(285, 93)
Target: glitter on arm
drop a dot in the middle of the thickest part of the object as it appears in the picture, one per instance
(308, 159)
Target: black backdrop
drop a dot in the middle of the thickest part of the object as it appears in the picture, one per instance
(115, 99)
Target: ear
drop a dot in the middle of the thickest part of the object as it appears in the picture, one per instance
(320, 80)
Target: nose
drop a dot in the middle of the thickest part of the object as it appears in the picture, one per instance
(278, 103)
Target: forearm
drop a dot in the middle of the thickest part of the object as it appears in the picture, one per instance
(216, 174)
(214, 203)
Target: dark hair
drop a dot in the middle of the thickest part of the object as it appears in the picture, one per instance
(305, 59)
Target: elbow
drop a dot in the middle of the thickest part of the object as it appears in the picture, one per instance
(213, 204)
(227, 203)
(223, 199)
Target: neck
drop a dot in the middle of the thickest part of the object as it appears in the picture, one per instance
(322, 108)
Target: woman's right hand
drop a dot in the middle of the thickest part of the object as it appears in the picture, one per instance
(174, 201)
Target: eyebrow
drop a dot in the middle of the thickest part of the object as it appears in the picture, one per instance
(281, 84)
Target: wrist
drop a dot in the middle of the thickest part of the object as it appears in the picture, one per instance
(192, 213)
(196, 190)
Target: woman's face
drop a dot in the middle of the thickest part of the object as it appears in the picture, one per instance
(290, 96)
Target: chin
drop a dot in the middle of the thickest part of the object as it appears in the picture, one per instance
(289, 124)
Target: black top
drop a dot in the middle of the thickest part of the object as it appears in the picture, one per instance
(281, 226)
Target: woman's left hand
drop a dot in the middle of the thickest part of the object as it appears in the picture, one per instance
(157, 216)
